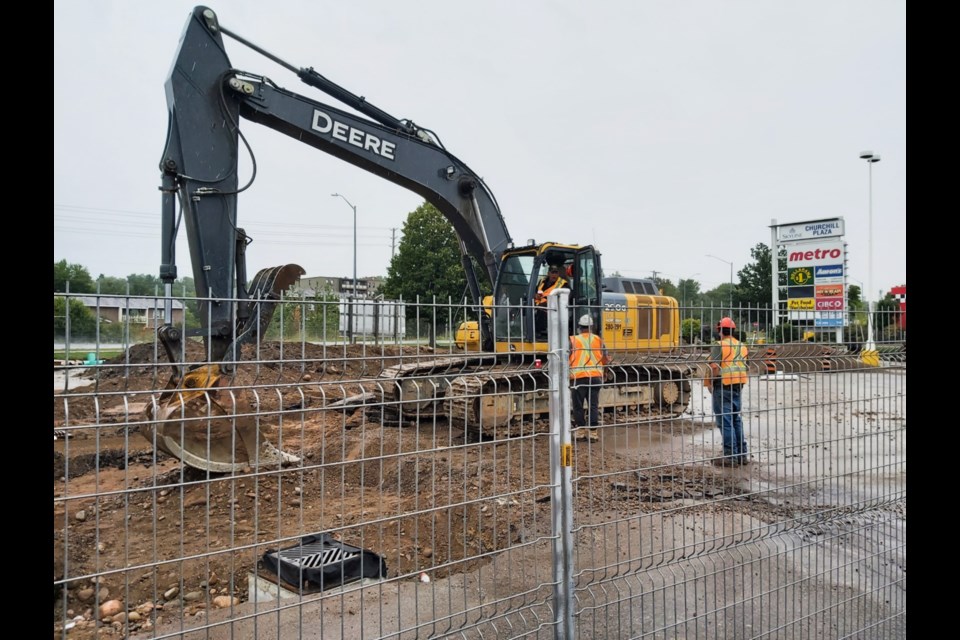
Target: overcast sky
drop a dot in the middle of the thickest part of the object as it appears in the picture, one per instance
(658, 131)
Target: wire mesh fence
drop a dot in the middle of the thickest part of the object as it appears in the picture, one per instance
(377, 480)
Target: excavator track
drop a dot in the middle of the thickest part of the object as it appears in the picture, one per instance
(506, 402)
(412, 388)
(497, 401)
(490, 405)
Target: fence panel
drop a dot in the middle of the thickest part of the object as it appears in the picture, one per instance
(441, 515)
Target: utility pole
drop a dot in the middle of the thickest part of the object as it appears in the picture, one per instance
(393, 243)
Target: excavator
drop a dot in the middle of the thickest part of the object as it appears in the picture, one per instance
(207, 99)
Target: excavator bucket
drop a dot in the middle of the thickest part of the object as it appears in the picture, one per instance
(265, 289)
(199, 421)
(191, 423)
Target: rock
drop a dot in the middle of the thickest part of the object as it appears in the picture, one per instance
(103, 594)
(133, 616)
(85, 595)
(222, 602)
(110, 608)
(193, 595)
(171, 593)
(80, 515)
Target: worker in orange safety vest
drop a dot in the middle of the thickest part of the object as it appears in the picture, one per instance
(728, 365)
(588, 355)
(547, 284)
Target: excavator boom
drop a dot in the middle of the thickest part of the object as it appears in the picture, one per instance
(208, 100)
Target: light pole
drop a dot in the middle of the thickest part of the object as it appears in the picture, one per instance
(337, 195)
(870, 157)
(684, 292)
(354, 293)
(731, 277)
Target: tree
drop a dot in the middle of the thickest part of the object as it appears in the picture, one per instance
(82, 320)
(77, 275)
(112, 286)
(756, 279)
(688, 292)
(427, 264)
(143, 284)
(666, 287)
(854, 297)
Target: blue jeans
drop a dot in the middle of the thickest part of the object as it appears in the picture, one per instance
(726, 410)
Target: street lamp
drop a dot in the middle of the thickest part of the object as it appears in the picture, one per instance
(354, 294)
(337, 195)
(731, 277)
(870, 157)
(683, 293)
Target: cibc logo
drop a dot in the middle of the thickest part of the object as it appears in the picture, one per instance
(829, 304)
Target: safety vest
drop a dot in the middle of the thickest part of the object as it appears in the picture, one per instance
(586, 356)
(733, 361)
(560, 282)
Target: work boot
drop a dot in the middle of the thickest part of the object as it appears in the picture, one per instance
(724, 462)
(583, 434)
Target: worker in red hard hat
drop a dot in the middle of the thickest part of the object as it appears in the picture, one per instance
(728, 366)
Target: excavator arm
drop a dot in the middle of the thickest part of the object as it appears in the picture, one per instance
(207, 100)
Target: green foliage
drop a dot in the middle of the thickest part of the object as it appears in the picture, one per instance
(854, 297)
(427, 263)
(688, 292)
(117, 331)
(75, 274)
(83, 323)
(112, 286)
(667, 287)
(756, 282)
(690, 330)
(142, 284)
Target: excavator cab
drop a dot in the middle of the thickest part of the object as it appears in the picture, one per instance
(519, 315)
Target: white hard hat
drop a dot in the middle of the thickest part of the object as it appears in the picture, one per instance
(586, 320)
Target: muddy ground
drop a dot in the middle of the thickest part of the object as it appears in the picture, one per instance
(133, 524)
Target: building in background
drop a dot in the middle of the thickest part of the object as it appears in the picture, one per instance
(313, 285)
(135, 310)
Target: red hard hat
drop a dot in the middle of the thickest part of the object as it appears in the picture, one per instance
(726, 323)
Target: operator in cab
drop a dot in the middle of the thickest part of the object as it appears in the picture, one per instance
(548, 283)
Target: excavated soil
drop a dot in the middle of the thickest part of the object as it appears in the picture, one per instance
(166, 539)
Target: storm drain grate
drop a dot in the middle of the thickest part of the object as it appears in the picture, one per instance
(320, 562)
(317, 554)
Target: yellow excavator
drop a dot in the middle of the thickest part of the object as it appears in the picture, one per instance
(207, 100)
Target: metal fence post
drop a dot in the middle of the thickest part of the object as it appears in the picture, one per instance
(561, 461)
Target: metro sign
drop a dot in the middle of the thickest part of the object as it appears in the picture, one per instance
(829, 304)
